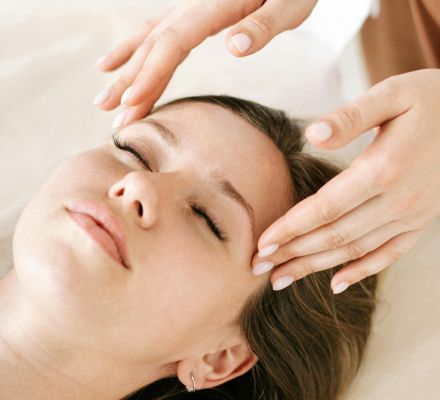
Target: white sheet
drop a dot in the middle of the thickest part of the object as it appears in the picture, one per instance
(47, 81)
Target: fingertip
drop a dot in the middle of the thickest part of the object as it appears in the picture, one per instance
(127, 96)
(271, 236)
(102, 97)
(268, 250)
(282, 282)
(120, 120)
(241, 41)
(339, 287)
(100, 62)
(319, 132)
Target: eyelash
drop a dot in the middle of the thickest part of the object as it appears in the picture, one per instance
(197, 208)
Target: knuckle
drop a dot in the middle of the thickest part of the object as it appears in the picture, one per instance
(170, 38)
(394, 255)
(263, 22)
(149, 24)
(303, 269)
(334, 238)
(390, 88)
(288, 227)
(379, 168)
(122, 83)
(408, 203)
(166, 35)
(289, 252)
(152, 75)
(146, 43)
(391, 94)
(350, 118)
(385, 172)
(355, 250)
(327, 211)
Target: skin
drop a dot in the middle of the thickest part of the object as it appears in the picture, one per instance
(154, 51)
(77, 325)
(374, 211)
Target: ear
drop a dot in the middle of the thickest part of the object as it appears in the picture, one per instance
(216, 368)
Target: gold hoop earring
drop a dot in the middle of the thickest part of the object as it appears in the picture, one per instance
(193, 388)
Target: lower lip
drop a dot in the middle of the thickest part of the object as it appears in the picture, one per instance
(98, 234)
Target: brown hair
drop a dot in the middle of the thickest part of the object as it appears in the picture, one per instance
(309, 342)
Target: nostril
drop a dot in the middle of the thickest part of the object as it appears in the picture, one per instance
(115, 191)
(140, 210)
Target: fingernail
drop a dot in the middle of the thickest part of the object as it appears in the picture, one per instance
(268, 250)
(241, 41)
(100, 61)
(119, 120)
(340, 287)
(282, 282)
(320, 131)
(262, 267)
(102, 97)
(127, 94)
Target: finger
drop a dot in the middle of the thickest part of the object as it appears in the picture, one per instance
(346, 191)
(374, 262)
(173, 42)
(124, 50)
(300, 267)
(366, 218)
(159, 66)
(110, 98)
(131, 114)
(257, 29)
(383, 102)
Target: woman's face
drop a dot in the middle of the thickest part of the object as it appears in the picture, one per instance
(185, 287)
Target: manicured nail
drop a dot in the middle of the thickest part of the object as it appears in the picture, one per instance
(241, 41)
(320, 131)
(282, 282)
(262, 267)
(100, 61)
(340, 287)
(119, 120)
(268, 250)
(102, 97)
(127, 94)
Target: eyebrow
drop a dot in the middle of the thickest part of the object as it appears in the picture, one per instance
(225, 186)
(167, 135)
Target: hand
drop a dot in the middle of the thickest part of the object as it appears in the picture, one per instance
(373, 212)
(155, 51)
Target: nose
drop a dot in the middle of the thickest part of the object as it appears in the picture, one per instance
(139, 197)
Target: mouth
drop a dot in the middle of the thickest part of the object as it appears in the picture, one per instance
(103, 226)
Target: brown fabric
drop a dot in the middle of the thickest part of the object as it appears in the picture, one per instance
(405, 37)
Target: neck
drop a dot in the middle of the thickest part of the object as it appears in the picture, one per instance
(38, 362)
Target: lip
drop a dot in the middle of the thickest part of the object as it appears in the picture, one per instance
(103, 226)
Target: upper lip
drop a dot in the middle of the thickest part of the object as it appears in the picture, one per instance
(107, 220)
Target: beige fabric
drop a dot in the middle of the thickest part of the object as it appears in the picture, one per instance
(404, 37)
(48, 83)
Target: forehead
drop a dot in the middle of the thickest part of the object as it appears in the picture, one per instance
(214, 138)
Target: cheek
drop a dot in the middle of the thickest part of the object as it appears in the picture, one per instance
(181, 295)
(62, 272)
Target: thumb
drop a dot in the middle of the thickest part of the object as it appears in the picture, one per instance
(380, 104)
(259, 28)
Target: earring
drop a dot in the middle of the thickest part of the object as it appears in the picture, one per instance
(193, 388)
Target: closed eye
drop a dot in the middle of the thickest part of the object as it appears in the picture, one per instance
(127, 147)
(198, 209)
